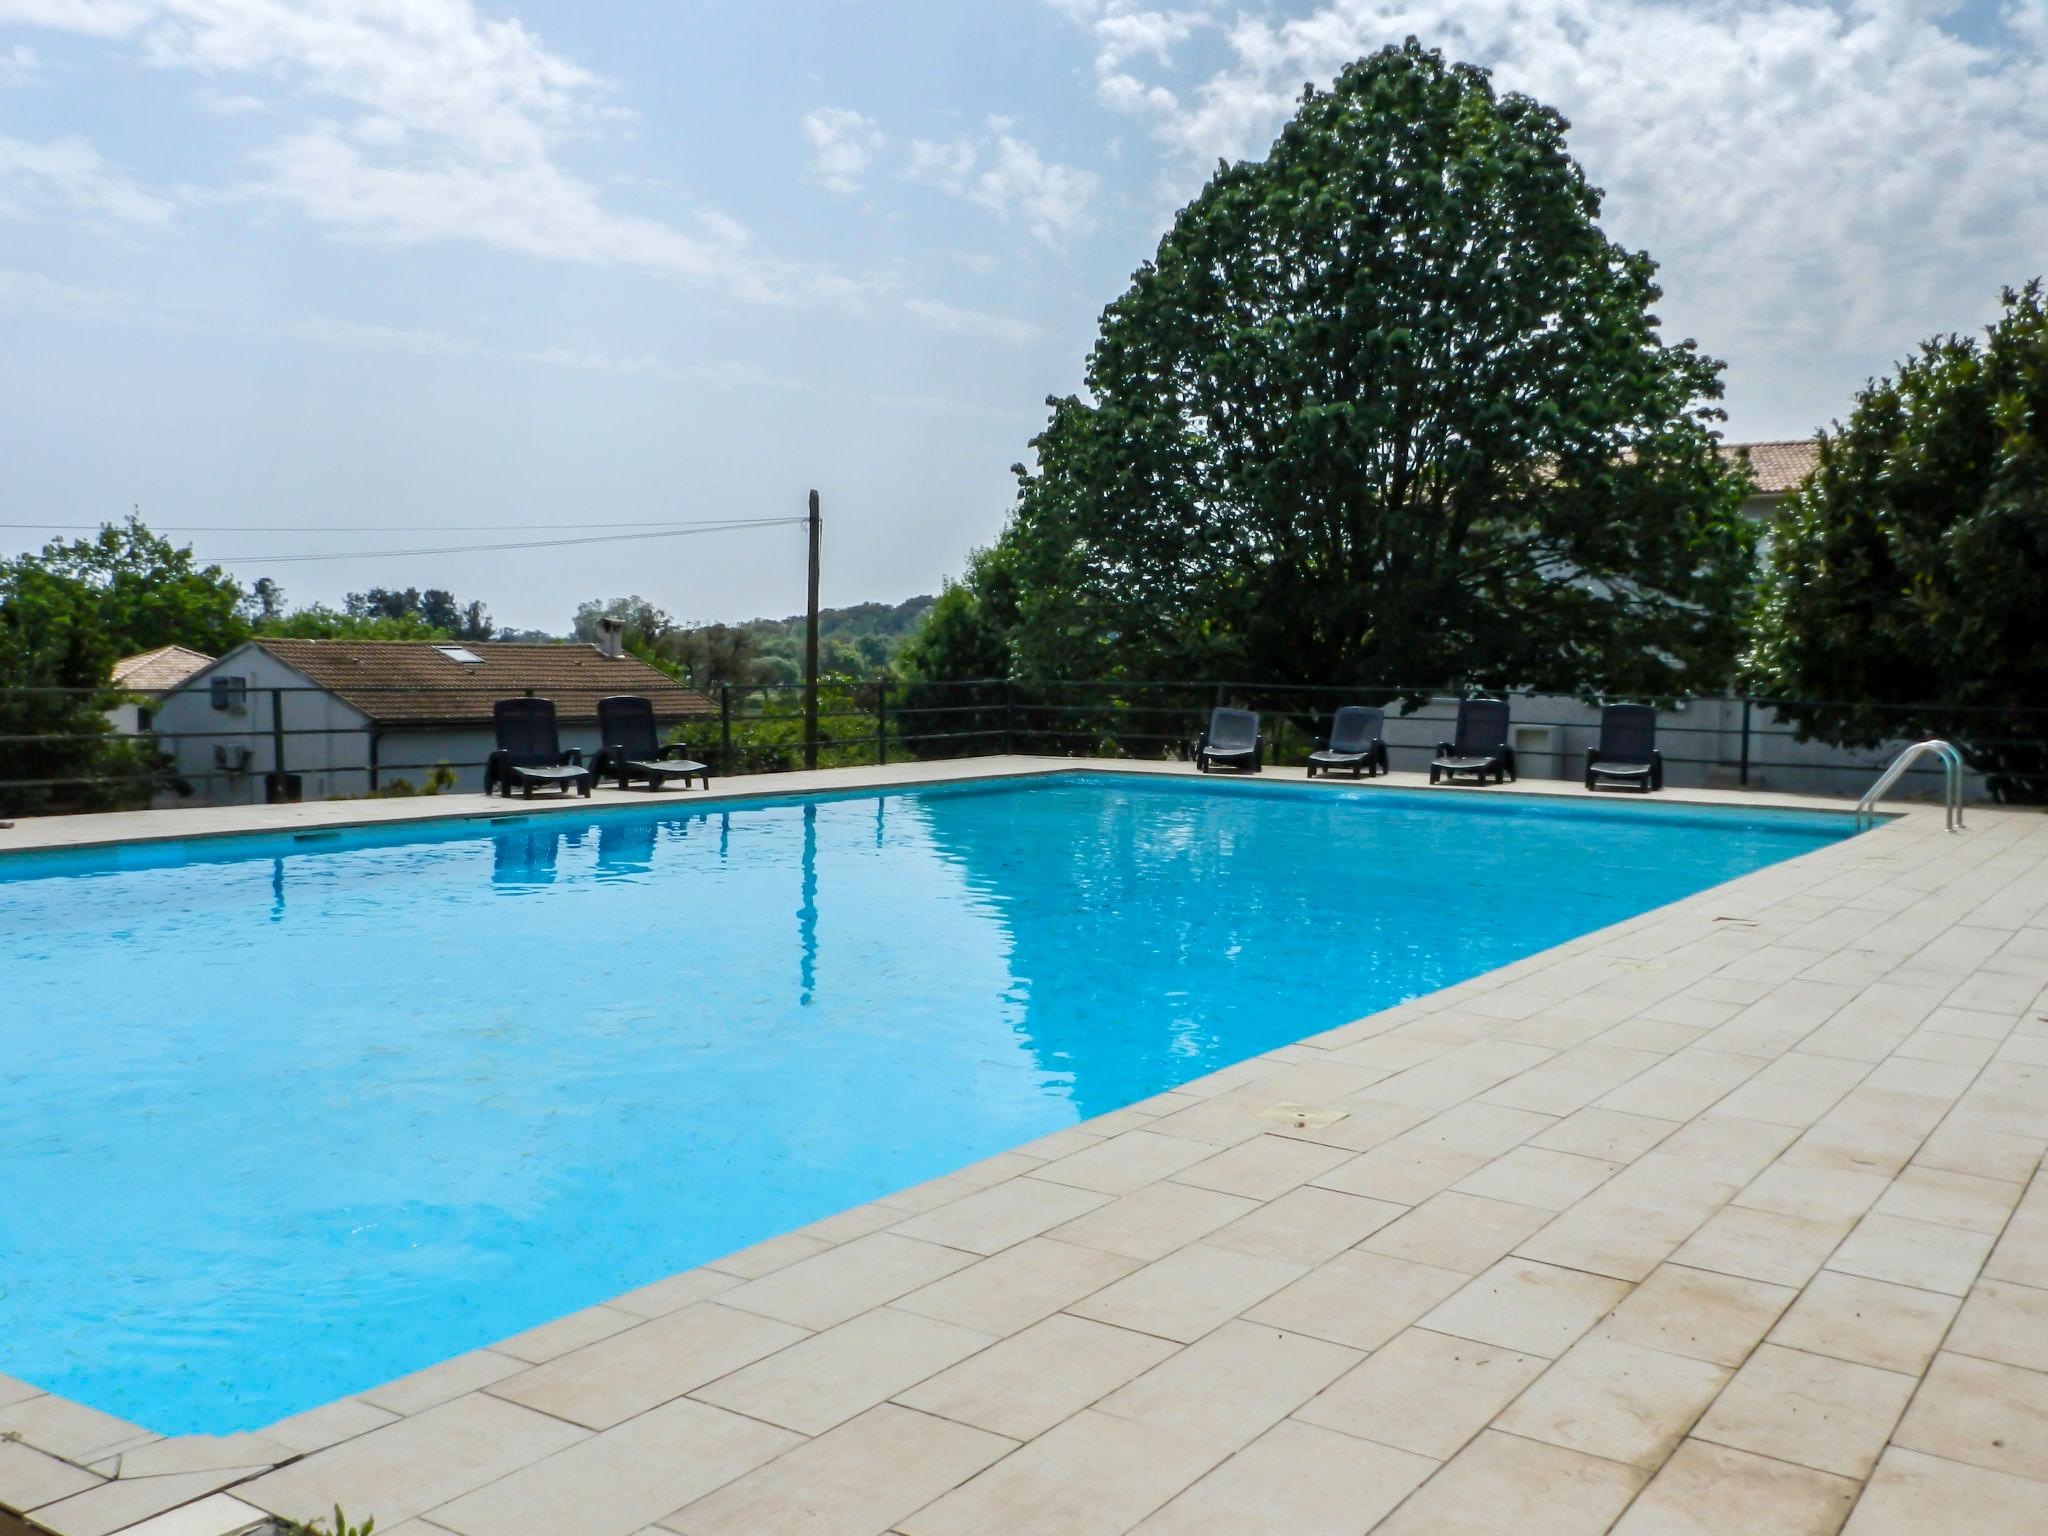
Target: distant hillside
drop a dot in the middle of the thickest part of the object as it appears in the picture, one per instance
(860, 641)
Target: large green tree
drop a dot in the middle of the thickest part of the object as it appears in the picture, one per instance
(1908, 575)
(1387, 407)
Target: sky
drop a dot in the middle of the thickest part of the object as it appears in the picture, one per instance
(354, 278)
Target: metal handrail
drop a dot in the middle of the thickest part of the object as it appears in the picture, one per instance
(1952, 782)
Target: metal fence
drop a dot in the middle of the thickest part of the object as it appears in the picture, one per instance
(286, 742)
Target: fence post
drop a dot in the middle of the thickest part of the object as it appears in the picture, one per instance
(277, 734)
(1009, 718)
(1745, 743)
(725, 729)
(882, 726)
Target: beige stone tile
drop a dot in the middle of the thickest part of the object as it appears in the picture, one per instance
(833, 1286)
(329, 1424)
(1263, 1168)
(1453, 1231)
(1228, 1388)
(764, 1258)
(410, 1466)
(1697, 1313)
(1616, 1400)
(855, 1221)
(1761, 1245)
(67, 1429)
(196, 1453)
(438, 1383)
(1973, 1022)
(1127, 1162)
(828, 1378)
(1493, 1129)
(1358, 1299)
(608, 1382)
(1607, 1134)
(1187, 1293)
(1295, 1478)
(1983, 1412)
(1893, 1327)
(947, 1188)
(566, 1333)
(1831, 1415)
(1961, 1146)
(1065, 1143)
(1538, 1309)
(1536, 1176)
(1651, 1034)
(1711, 1490)
(1819, 1194)
(1018, 1286)
(1917, 1253)
(1156, 1220)
(215, 1515)
(1915, 1495)
(1424, 1392)
(13, 1390)
(1306, 1226)
(1951, 1199)
(2022, 1252)
(30, 1477)
(1024, 1385)
(1503, 1485)
(2003, 1321)
(616, 1483)
(1934, 1045)
(1748, 1146)
(1630, 1225)
(1404, 1171)
(864, 1477)
(1367, 1123)
(119, 1505)
(1094, 1475)
(674, 1293)
(990, 1220)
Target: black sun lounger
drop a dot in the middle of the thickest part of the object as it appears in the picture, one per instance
(1627, 757)
(530, 752)
(1481, 747)
(1354, 742)
(1231, 741)
(634, 750)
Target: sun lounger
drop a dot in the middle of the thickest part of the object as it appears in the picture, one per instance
(1627, 757)
(530, 751)
(1354, 743)
(633, 749)
(1231, 741)
(1481, 747)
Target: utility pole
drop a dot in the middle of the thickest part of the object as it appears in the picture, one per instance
(811, 649)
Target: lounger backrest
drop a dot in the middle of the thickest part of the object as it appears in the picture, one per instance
(1628, 733)
(1356, 728)
(526, 730)
(626, 721)
(1482, 727)
(1233, 730)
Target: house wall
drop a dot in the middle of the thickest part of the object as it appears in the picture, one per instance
(326, 741)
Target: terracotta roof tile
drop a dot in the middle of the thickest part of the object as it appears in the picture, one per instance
(159, 670)
(1778, 467)
(416, 682)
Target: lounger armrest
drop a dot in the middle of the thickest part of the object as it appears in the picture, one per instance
(673, 749)
(1202, 742)
(1443, 749)
(573, 758)
(1592, 756)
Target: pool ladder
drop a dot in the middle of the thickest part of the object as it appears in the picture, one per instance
(1952, 782)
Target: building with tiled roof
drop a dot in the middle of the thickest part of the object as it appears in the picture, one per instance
(1776, 468)
(279, 719)
(160, 670)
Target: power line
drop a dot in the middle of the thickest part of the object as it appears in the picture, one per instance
(465, 549)
(665, 522)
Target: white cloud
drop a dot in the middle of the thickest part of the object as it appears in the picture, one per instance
(444, 125)
(18, 65)
(1007, 176)
(69, 174)
(1811, 176)
(973, 322)
(33, 293)
(843, 144)
(430, 343)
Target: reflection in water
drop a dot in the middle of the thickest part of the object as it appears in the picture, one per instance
(277, 890)
(525, 855)
(625, 846)
(807, 909)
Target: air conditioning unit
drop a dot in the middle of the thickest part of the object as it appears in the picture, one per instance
(232, 759)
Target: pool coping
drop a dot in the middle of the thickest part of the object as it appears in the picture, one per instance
(192, 1474)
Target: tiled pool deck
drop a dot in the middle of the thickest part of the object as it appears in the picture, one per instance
(1726, 1219)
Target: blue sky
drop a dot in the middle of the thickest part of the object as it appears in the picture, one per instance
(443, 265)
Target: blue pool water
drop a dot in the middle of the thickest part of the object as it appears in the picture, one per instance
(281, 1119)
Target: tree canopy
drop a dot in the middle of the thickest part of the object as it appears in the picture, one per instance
(1386, 407)
(1909, 573)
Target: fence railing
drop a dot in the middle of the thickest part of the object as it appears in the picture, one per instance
(291, 741)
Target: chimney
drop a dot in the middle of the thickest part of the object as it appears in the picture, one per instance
(610, 637)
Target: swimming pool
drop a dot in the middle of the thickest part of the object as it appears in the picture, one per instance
(283, 1117)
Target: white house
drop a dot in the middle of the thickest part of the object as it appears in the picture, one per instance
(316, 719)
(147, 678)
